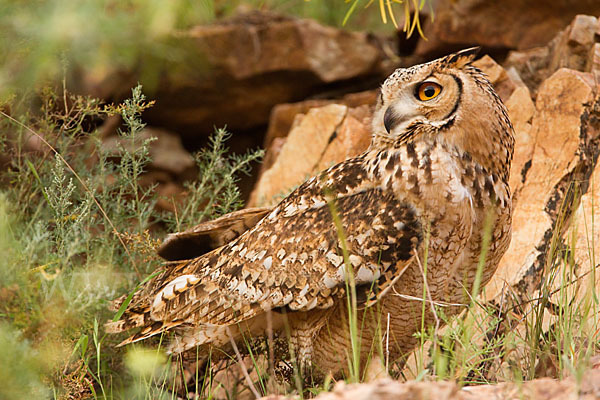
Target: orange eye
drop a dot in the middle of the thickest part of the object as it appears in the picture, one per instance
(428, 91)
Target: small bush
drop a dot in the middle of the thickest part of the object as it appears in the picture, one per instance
(78, 230)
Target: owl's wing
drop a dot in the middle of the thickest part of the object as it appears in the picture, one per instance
(293, 258)
(209, 235)
(200, 240)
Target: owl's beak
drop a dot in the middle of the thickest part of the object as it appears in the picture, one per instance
(390, 119)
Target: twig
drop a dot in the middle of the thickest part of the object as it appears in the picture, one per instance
(270, 342)
(437, 320)
(387, 344)
(242, 365)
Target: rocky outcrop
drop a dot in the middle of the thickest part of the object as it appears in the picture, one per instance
(583, 236)
(283, 115)
(576, 47)
(514, 24)
(323, 137)
(560, 149)
(234, 71)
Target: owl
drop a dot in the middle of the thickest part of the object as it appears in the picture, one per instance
(399, 228)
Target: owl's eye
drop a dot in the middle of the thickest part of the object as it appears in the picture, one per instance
(428, 90)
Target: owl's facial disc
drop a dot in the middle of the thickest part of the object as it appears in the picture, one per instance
(429, 101)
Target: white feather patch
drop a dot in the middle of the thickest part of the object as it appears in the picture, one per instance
(178, 284)
(364, 275)
(268, 262)
(329, 282)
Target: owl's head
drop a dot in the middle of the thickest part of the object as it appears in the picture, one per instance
(448, 98)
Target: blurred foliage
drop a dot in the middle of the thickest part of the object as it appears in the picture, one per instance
(47, 40)
(410, 10)
(42, 39)
(22, 380)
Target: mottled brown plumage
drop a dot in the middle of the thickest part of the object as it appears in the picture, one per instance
(419, 197)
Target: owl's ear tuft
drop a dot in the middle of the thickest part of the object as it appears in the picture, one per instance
(462, 58)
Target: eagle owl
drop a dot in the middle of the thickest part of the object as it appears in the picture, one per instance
(414, 209)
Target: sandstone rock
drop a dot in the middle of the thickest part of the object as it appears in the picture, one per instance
(258, 42)
(503, 84)
(300, 155)
(166, 151)
(234, 71)
(531, 65)
(323, 137)
(515, 24)
(583, 234)
(285, 116)
(282, 115)
(351, 138)
(594, 62)
(574, 48)
(521, 110)
(273, 151)
(253, 62)
(546, 389)
(563, 154)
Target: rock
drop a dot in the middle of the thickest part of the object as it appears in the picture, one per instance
(575, 47)
(285, 116)
(584, 231)
(301, 154)
(257, 43)
(546, 389)
(282, 115)
(503, 84)
(166, 151)
(273, 151)
(323, 137)
(564, 130)
(234, 71)
(251, 63)
(531, 65)
(572, 46)
(351, 138)
(594, 61)
(521, 110)
(532, 23)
